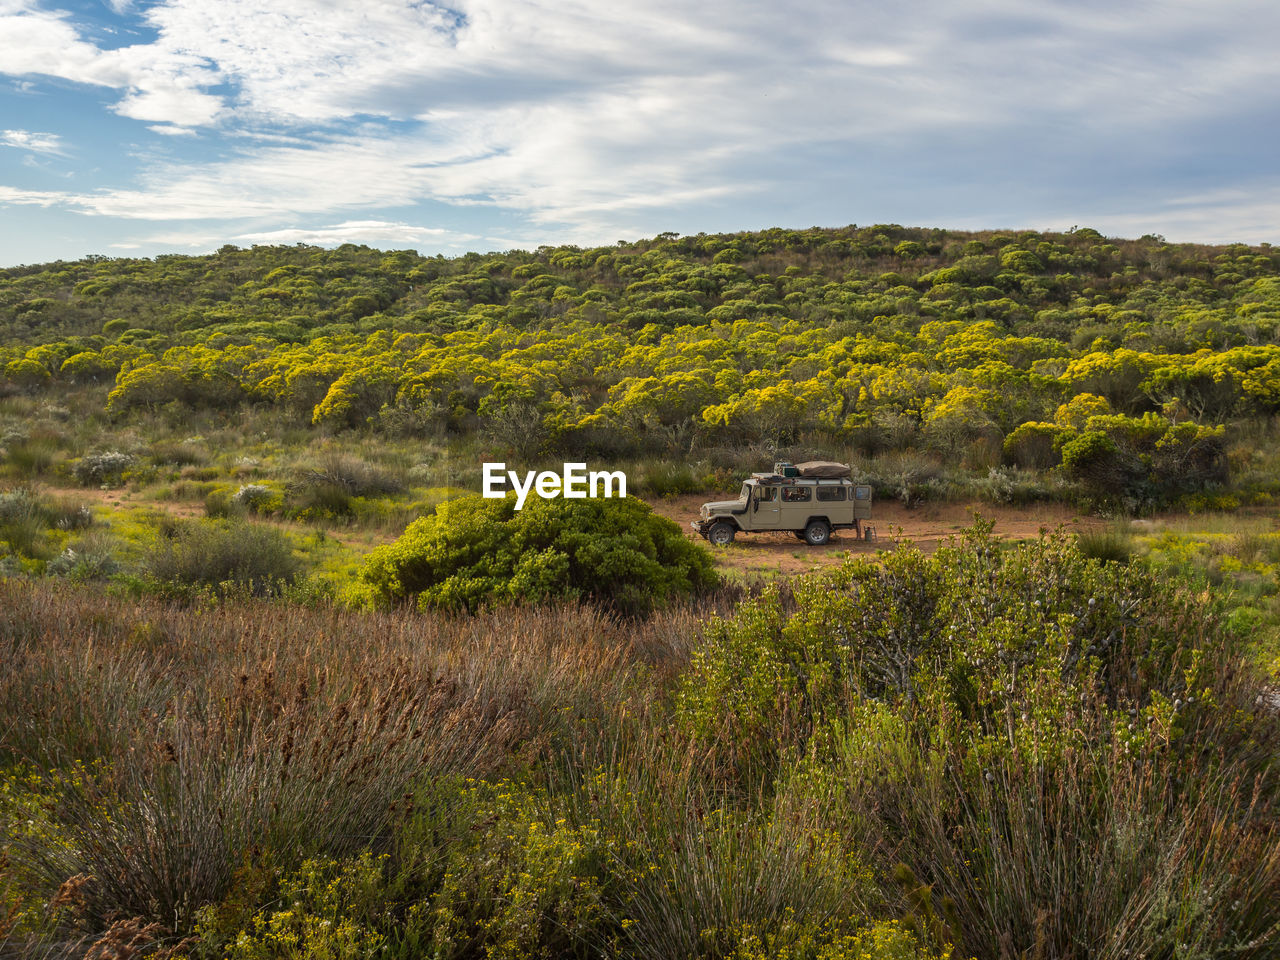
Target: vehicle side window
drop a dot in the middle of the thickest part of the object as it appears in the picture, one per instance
(766, 493)
(831, 493)
(862, 493)
(795, 494)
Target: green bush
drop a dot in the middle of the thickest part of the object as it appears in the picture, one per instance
(317, 499)
(474, 552)
(326, 909)
(1145, 461)
(528, 886)
(187, 453)
(31, 456)
(210, 553)
(355, 476)
(1024, 729)
(22, 522)
(328, 491)
(91, 557)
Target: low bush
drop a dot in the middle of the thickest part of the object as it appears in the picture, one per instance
(474, 552)
(329, 490)
(1012, 486)
(357, 477)
(212, 553)
(257, 498)
(92, 557)
(21, 516)
(193, 759)
(27, 519)
(108, 467)
(1000, 750)
(318, 499)
(186, 453)
(29, 456)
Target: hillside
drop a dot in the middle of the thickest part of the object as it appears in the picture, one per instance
(1122, 358)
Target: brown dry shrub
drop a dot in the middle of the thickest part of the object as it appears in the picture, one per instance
(188, 741)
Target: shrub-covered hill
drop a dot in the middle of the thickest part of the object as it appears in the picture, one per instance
(1119, 360)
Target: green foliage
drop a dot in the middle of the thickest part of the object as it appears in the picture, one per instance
(998, 750)
(29, 453)
(1006, 720)
(1144, 461)
(32, 524)
(474, 552)
(878, 941)
(910, 627)
(25, 798)
(324, 911)
(257, 498)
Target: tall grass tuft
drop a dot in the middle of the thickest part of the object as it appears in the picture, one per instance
(212, 553)
(1113, 544)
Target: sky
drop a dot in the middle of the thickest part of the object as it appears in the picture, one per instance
(132, 128)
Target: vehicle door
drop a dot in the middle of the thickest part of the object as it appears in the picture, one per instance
(835, 503)
(764, 508)
(796, 507)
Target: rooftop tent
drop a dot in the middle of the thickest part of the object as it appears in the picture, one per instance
(822, 470)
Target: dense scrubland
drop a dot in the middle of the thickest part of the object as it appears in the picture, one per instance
(1141, 371)
(274, 685)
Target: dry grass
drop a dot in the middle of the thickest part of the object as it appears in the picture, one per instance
(188, 741)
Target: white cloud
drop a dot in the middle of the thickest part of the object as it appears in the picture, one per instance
(47, 143)
(375, 233)
(371, 232)
(159, 84)
(588, 118)
(34, 198)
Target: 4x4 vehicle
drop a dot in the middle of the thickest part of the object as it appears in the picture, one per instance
(810, 499)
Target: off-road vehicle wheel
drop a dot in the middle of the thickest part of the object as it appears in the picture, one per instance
(817, 533)
(721, 533)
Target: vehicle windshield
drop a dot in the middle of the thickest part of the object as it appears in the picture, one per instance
(746, 492)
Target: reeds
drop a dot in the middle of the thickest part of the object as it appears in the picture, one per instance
(187, 742)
